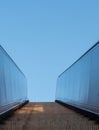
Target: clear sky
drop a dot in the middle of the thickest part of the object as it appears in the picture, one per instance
(44, 37)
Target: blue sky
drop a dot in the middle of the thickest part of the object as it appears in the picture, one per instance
(44, 37)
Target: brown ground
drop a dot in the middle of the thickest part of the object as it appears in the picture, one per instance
(47, 116)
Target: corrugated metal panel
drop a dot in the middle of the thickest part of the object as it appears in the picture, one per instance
(79, 84)
(13, 84)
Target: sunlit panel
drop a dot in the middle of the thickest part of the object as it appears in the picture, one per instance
(28, 110)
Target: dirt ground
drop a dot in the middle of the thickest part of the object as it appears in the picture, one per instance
(47, 116)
